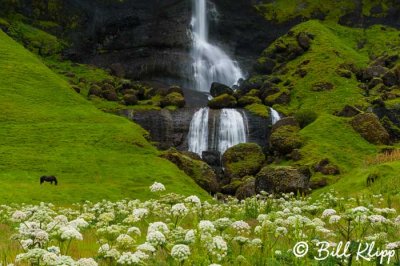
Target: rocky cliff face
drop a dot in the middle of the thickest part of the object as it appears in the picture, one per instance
(170, 128)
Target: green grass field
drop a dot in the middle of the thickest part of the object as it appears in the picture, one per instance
(48, 129)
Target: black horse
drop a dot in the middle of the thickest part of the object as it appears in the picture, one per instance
(50, 179)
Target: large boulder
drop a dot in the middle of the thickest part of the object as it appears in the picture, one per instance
(218, 89)
(173, 99)
(281, 179)
(223, 101)
(369, 127)
(212, 158)
(285, 139)
(247, 188)
(201, 173)
(242, 160)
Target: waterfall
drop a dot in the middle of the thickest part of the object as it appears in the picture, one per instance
(232, 129)
(210, 63)
(275, 117)
(198, 132)
(228, 129)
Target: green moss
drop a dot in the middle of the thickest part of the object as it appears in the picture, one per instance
(35, 40)
(248, 100)
(259, 109)
(173, 99)
(285, 10)
(223, 101)
(242, 160)
(285, 139)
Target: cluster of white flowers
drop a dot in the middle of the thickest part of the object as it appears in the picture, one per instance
(180, 252)
(157, 187)
(178, 228)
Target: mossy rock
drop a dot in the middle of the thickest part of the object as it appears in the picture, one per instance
(231, 188)
(391, 128)
(281, 179)
(173, 99)
(223, 101)
(218, 89)
(282, 97)
(285, 139)
(248, 100)
(243, 159)
(369, 127)
(247, 188)
(198, 170)
(259, 110)
(95, 90)
(130, 99)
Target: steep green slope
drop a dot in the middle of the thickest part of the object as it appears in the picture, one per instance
(334, 56)
(48, 129)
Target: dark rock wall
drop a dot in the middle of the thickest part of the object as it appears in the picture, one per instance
(170, 128)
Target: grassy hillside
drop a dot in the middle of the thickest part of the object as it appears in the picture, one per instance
(48, 129)
(334, 49)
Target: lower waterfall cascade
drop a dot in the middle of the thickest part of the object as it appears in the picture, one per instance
(229, 128)
(275, 116)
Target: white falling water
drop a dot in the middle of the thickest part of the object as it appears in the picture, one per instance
(232, 129)
(210, 63)
(198, 132)
(275, 117)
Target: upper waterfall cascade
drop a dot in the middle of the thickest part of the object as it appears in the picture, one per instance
(210, 63)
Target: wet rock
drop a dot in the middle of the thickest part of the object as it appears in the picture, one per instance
(212, 158)
(223, 101)
(281, 179)
(218, 89)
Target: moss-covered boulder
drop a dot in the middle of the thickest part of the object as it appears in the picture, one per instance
(285, 139)
(282, 97)
(369, 127)
(173, 99)
(243, 159)
(218, 89)
(201, 173)
(248, 100)
(130, 99)
(95, 90)
(223, 101)
(281, 179)
(326, 167)
(247, 188)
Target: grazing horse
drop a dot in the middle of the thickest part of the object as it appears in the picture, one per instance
(371, 179)
(50, 179)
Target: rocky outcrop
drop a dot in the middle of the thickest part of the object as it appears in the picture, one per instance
(201, 173)
(170, 128)
(243, 160)
(282, 179)
(369, 127)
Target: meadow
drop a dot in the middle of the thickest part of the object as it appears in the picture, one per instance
(172, 229)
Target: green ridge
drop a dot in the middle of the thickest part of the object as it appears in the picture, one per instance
(48, 129)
